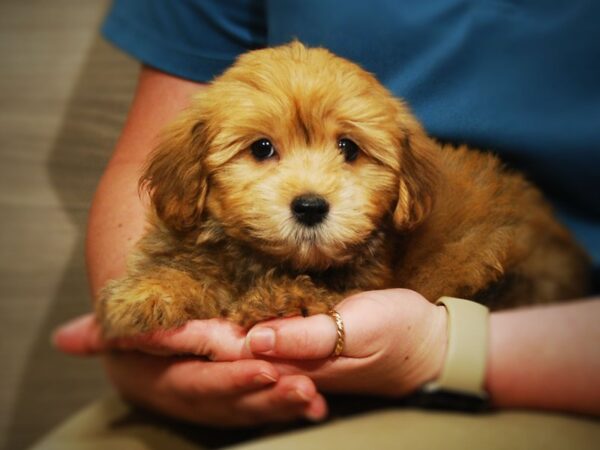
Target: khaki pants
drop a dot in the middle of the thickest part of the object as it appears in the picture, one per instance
(113, 425)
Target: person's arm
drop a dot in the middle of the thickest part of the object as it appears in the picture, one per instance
(546, 357)
(223, 393)
(117, 215)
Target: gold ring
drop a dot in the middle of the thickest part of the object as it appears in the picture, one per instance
(341, 335)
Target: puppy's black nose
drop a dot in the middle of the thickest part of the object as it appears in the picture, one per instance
(310, 209)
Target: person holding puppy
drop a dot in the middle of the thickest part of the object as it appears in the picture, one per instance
(434, 57)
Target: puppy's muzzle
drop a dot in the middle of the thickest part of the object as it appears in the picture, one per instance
(310, 209)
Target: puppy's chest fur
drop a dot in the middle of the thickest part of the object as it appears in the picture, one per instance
(241, 268)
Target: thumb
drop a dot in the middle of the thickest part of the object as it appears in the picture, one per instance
(80, 336)
(311, 337)
(369, 319)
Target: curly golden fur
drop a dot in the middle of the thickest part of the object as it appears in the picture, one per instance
(408, 212)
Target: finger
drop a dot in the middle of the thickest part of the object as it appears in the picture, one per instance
(217, 339)
(80, 336)
(340, 375)
(311, 337)
(315, 337)
(221, 396)
(189, 378)
(201, 378)
(317, 409)
(292, 397)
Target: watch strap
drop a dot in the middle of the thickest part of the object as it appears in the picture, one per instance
(466, 353)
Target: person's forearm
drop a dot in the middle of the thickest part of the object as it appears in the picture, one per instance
(546, 358)
(117, 214)
(115, 223)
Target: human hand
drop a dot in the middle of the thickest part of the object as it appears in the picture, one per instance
(395, 342)
(169, 372)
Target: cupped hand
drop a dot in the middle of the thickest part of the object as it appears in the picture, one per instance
(199, 373)
(395, 341)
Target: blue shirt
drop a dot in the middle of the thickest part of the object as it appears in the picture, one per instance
(518, 77)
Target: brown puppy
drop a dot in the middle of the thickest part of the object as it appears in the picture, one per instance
(296, 179)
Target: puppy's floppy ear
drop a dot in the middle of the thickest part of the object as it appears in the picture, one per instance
(418, 175)
(174, 175)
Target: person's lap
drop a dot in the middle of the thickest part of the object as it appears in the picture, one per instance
(111, 423)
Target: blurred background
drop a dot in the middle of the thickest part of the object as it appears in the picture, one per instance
(64, 94)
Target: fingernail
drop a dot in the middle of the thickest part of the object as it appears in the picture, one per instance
(314, 416)
(264, 378)
(298, 396)
(261, 340)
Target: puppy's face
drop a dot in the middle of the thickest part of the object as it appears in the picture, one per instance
(296, 152)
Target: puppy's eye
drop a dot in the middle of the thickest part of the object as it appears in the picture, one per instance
(262, 149)
(349, 149)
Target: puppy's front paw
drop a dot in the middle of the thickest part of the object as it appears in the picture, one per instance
(127, 308)
(283, 298)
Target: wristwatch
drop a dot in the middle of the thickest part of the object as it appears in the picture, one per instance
(461, 383)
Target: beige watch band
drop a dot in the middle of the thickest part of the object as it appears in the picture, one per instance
(466, 353)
